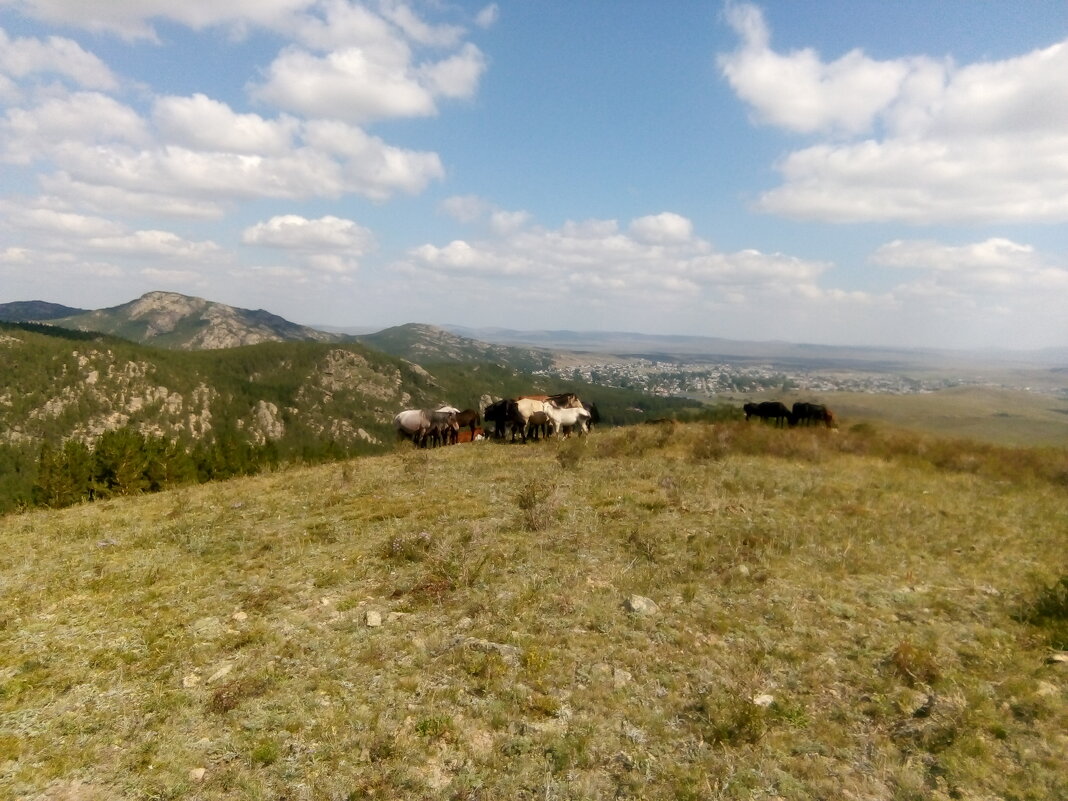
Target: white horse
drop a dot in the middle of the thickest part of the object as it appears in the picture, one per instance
(564, 420)
(412, 424)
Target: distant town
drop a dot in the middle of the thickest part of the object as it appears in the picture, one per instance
(680, 379)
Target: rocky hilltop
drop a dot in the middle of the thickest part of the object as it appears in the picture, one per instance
(180, 322)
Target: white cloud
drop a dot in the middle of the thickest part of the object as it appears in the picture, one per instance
(101, 147)
(293, 232)
(84, 118)
(931, 255)
(418, 30)
(488, 16)
(657, 253)
(995, 265)
(662, 228)
(153, 243)
(466, 208)
(800, 92)
(344, 84)
(56, 55)
(456, 76)
(201, 123)
(133, 19)
(44, 220)
(985, 142)
(329, 245)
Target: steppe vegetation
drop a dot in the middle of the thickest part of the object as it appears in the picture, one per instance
(675, 611)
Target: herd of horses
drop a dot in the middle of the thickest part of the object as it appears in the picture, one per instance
(801, 414)
(528, 416)
(536, 416)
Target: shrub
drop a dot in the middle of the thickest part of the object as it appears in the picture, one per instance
(1049, 611)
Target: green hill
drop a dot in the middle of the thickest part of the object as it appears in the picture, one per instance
(428, 345)
(844, 615)
(231, 410)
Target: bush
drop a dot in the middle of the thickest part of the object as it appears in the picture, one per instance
(1049, 611)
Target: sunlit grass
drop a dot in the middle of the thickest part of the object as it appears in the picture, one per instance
(860, 613)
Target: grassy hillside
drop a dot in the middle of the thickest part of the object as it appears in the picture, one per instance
(1002, 416)
(426, 345)
(837, 616)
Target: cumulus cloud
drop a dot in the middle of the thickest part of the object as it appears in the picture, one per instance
(657, 253)
(996, 264)
(291, 231)
(200, 148)
(914, 139)
(80, 119)
(663, 228)
(56, 55)
(352, 84)
(326, 245)
(201, 123)
(798, 90)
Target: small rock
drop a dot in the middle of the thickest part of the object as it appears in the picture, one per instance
(220, 673)
(198, 774)
(764, 700)
(240, 617)
(1058, 658)
(640, 605)
(192, 680)
(620, 677)
(374, 618)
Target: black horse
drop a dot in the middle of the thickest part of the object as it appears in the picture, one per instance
(500, 414)
(769, 410)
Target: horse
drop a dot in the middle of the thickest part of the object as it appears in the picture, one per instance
(500, 413)
(563, 420)
(813, 414)
(530, 415)
(412, 424)
(443, 428)
(469, 419)
(769, 410)
(595, 416)
(425, 426)
(533, 412)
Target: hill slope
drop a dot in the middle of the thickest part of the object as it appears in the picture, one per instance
(426, 344)
(35, 311)
(171, 320)
(827, 625)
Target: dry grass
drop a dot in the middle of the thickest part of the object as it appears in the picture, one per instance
(840, 616)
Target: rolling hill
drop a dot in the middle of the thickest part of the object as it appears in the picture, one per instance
(657, 612)
(426, 344)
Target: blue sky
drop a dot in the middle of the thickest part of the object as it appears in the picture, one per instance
(863, 173)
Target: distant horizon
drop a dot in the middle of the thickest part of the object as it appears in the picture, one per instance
(534, 333)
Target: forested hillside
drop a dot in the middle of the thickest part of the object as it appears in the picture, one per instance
(139, 417)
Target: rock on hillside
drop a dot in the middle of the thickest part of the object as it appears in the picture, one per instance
(181, 322)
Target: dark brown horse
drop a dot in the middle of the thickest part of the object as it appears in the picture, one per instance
(469, 419)
(769, 410)
(811, 414)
